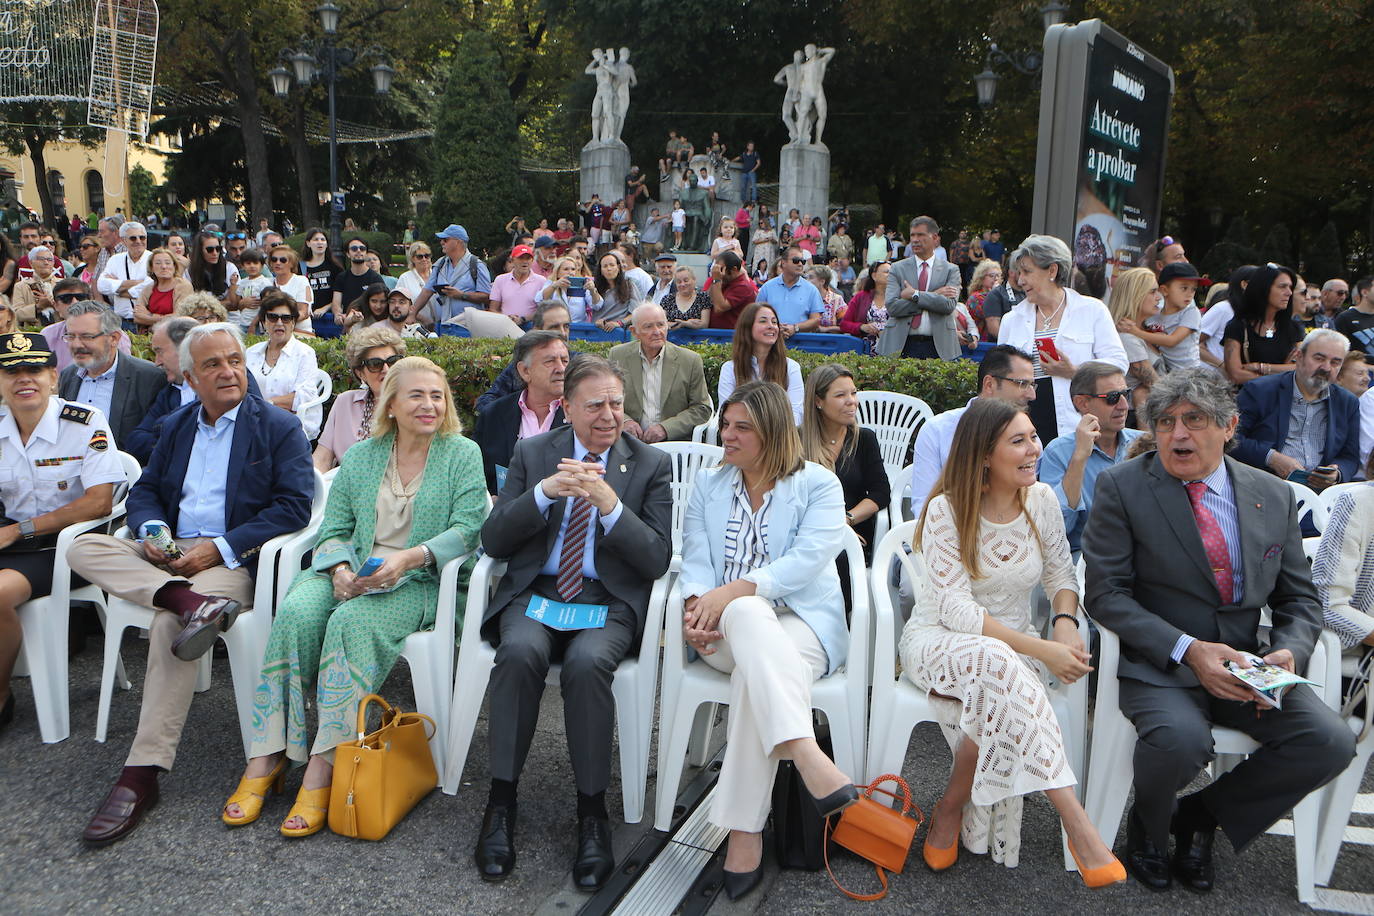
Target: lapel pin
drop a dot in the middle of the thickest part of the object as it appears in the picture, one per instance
(622, 469)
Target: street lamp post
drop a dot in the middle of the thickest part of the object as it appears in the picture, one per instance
(1052, 14)
(324, 59)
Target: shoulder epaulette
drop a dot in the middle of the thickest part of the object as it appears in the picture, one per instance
(76, 413)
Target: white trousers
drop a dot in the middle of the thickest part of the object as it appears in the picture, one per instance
(772, 658)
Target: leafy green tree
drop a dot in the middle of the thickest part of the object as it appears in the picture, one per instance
(476, 180)
(1323, 259)
(1278, 245)
(143, 198)
(30, 127)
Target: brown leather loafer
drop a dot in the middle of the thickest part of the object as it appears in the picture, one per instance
(119, 814)
(214, 616)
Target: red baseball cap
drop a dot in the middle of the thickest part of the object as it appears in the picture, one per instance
(522, 251)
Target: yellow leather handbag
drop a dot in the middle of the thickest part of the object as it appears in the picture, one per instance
(382, 775)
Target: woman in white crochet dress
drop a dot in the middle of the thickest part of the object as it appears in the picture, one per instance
(989, 534)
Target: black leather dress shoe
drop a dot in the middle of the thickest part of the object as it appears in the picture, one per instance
(120, 813)
(1146, 861)
(1192, 862)
(595, 855)
(203, 627)
(738, 883)
(495, 853)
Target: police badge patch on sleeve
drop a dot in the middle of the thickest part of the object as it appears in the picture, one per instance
(100, 442)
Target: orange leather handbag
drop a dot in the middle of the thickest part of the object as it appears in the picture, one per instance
(382, 775)
(875, 832)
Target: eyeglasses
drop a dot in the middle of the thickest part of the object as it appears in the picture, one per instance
(279, 316)
(84, 338)
(89, 245)
(1193, 419)
(420, 256)
(1022, 383)
(357, 248)
(135, 238)
(278, 259)
(1112, 397)
(377, 363)
(797, 260)
(68, 298)
(211, 249)
(236, 236)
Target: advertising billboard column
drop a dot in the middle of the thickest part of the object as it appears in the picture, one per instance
(1104, 128)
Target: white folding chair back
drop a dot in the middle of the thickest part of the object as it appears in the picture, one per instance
(1309, 501)
(246, 639)
(1331, 494)
(323, 385)
(633, 687)
(44, 620)
(687, 685)
(687, 458)
(707, 433)
(1113, 751)
(895, 418)
(1340, 793)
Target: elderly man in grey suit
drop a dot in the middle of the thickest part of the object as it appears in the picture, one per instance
(584, 519)
(922, 292)
(1184, 546)
(122, 386)
(665, 385)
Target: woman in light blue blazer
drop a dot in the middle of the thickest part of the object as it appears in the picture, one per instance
(761, 602)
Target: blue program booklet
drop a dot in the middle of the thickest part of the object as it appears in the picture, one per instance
(562, 616)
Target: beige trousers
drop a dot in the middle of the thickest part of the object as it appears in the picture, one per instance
(772, 658)
(120, 568)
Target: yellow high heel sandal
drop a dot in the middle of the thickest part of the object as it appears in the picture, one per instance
(250, 794)
(312, 806)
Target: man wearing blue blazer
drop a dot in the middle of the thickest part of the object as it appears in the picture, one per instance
(1302, 420)
(229, 473)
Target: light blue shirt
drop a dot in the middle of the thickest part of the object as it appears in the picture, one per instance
(1220, 499)
(188, 394)
(589, 546)
(1055, 462)
(794, 304)
(203, 507)
(458, 276)
(98, 390)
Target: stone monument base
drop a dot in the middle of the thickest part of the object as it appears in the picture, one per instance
(604, 167)
(804, 180)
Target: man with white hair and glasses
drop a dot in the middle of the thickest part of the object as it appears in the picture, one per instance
(126, 272)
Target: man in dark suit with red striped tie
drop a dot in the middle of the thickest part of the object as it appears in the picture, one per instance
(584, 518)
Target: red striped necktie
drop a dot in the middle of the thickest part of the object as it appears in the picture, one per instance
(1213, 541)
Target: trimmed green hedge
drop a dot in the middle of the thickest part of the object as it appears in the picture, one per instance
(472, 364)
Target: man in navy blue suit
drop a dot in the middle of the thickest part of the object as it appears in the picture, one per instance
(1302, 422)
(229, 473)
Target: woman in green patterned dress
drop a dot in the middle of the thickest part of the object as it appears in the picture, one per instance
(413, 495)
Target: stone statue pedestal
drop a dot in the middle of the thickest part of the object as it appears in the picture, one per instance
(804, 180)
(604, 167)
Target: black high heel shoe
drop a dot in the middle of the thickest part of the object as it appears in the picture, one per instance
(738, 883)
(836, 801)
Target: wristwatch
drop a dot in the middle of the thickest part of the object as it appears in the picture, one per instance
(26, 529)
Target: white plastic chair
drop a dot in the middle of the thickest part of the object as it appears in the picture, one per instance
(688, 685)
(44, 620)
(1309, 501)
(707, 433)
(1113, 749)
(898, 510)
(313, 408)
(1331, 494)
(688, 458)
(246, 639)
(633, 688)
(1338, 796)
(898, 706)
(895, 418)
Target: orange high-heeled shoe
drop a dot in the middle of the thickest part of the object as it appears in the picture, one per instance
(312, 806)
(938, 859)
(251, 793)
(1102, 876)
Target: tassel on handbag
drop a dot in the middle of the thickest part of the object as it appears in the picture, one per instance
(382, 775)
(877, 833)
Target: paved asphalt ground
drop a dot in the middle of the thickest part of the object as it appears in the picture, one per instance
(183, 860)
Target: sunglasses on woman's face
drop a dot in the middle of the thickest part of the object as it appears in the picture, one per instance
(211, 249)
(279, 316)
(378, 363)
(280, 260)
(420, 256)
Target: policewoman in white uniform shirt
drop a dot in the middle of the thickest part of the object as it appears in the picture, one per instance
(58, 466)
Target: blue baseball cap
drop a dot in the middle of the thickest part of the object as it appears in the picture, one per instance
(454, 231)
